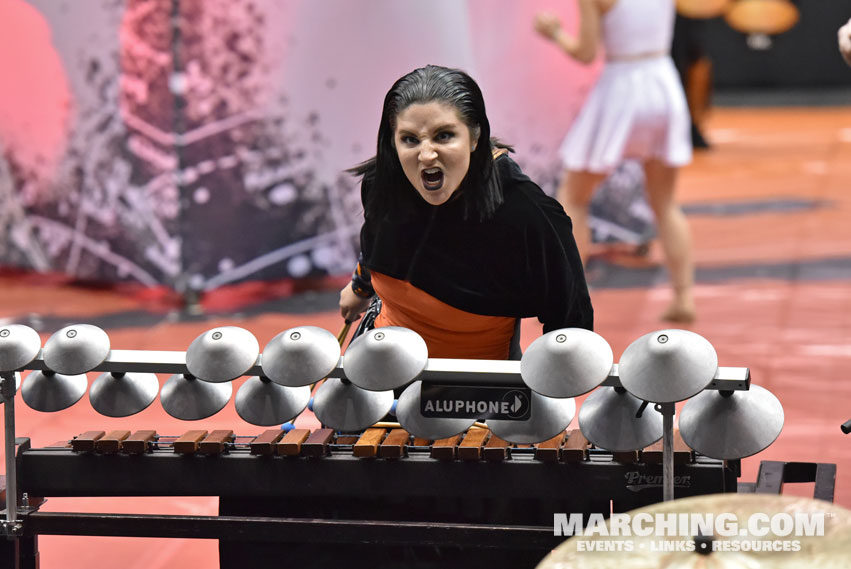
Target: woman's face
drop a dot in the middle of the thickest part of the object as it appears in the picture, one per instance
(434, 147)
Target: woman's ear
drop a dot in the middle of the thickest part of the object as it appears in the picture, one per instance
(475, 134)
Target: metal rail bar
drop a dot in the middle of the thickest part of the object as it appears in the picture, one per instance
(290, 530)
(437, 370)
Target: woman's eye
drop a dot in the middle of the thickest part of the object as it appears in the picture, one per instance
(444, 136)
(409, 140)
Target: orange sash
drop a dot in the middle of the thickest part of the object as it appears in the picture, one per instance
(448, 331)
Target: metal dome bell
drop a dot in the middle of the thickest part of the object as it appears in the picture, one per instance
(566, 362)
(300, 356)
(731, 424)
(263, 402)
(123, 394)
(185, 397)
(76, 349)
(385, 358)
(48, 391)
(19, 345)
(409, 415)
(346, 407)
(668, 366)
(222, 354)
(609, 419)
(550, 416)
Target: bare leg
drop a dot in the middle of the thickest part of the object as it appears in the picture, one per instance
(575, 193)
(675, 236)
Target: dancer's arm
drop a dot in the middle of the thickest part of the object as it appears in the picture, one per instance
(583, 46)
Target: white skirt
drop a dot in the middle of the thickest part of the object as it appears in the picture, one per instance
(637, 109)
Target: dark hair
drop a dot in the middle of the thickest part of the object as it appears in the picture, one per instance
(480, 190)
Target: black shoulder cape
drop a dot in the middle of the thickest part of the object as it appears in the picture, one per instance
(522, 262)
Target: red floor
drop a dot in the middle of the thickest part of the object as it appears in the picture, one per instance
(790, 326)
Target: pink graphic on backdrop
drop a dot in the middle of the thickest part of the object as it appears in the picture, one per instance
(276, 100)
(35, 100)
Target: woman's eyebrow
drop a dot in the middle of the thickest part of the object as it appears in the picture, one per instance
(447, 126)
(443, 127)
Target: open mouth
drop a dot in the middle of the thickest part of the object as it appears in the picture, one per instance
(432, 179)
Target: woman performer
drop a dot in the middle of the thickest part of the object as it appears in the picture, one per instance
(638, 110)
(457, 243)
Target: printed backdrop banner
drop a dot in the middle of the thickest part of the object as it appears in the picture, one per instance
(198, 143)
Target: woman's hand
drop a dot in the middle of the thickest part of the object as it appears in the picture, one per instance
(352, 305)
(583, 46)
(547, 24)
(845, 41)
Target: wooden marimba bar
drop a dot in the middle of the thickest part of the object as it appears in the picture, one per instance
(382, 441)
(202, 463)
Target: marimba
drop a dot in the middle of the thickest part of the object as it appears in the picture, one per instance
(331, 497)
(381, 497)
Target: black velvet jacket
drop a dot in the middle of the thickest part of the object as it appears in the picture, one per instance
(522, 262)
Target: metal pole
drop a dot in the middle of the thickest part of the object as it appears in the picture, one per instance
(667, 410)
(8, 389)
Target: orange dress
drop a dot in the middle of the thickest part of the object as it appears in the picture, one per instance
(447, 331)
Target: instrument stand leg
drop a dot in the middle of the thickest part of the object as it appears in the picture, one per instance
(10, 547)
(19, 552)
(10, 553)
(7, 390)
(667, 410)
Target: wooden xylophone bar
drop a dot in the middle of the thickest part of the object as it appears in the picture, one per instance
(377, 442)
(121, 462)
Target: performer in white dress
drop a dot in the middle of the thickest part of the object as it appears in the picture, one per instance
(637, 109)
(844, 34)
